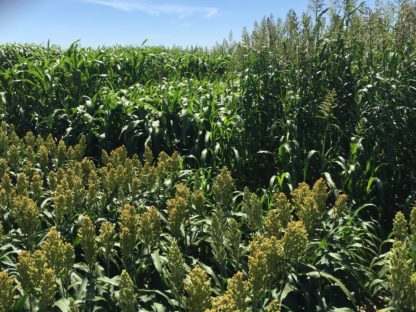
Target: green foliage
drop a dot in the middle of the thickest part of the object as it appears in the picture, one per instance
(137, 245)
(123, 168)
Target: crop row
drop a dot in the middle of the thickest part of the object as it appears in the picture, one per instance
(150, 233)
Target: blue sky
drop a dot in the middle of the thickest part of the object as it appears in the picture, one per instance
(130, 22)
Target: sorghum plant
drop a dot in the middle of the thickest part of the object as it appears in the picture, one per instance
(149, 225)
(7, 291)
(198, 290)
(59, 255)
(127, 297)
(400, 227)
(175, 270)
(178, 210)
(222, 189)
(251, 206)
(107, 239)
(86, 235)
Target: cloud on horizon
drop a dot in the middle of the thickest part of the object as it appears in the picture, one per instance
(182, 11)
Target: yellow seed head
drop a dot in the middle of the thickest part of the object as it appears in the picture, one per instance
(306, 207)
(104, 157)
(135, 185)
(22, 184)
(129, 171)
(148, 155)
(198, 289)
(36, 185)
(39, 140)
(295, 241)
(233, 238)
(77, 193)
(223, 303)
(6, 291)
(127, 298)
(86, 234)
(222, 188)
(118, 156)
(178, 210)
(238, 290)
(341, 206)
(30, 267)
(298, 196)
(26, 214)
(198, 202)
(412, 222)
(130, 219)
(183, 191)
(320, 193)
(73, 307)
(4, 141)
(273, 222)
(59, 255)
(87, 168)
(218, 235)
(52, 181)
(273, 306)
(47, 289)
(168, 166)
(80, 148)
(282, 212)
(127, 244)
(106, 180)
(4, 198)
(107, 238)
(176, 270)
(121, 179)
(401, 269)
(43, 157)
(412, 290)
(258, 271)
(275, 255)
(149, 176)
(30, 139)
(13, 137)
(3, 167)
(61, 156)
(25, 268)
(30, 156)
(272, 249)
(60, 208)
(13, 157)
(252, 208)
(6, 183)
(70, 154)
(400, 227)
(150, 226)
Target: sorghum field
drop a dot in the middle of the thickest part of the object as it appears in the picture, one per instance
(276, 173)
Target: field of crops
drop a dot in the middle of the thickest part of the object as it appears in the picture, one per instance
(277, 173)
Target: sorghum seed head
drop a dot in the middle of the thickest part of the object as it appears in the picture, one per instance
(127, 298)
(198, 289)
(400, 227)
(86, 234)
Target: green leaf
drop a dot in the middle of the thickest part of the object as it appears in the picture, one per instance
(317, 273)
(20, 303)
(157, 261)
(63, 304)
(112, 281)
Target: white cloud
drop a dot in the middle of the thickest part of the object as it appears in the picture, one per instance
(182, 11)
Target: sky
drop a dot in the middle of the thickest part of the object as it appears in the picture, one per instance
(95, 23)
